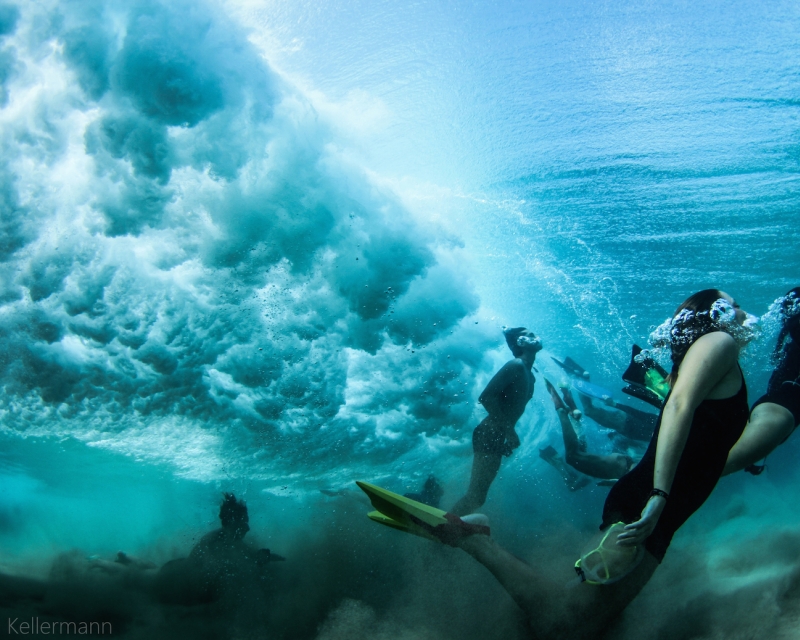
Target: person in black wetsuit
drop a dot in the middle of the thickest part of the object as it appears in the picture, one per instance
(505, 398)
(704, 415)
(774, 415)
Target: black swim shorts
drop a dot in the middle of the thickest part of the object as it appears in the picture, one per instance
(490, 440)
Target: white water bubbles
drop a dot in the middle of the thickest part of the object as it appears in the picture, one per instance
(775, 318)
(678, 333)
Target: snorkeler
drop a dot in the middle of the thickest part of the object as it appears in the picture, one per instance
(228, 540)
(505, 398)
(431, 493)
(645, 380)
(610, 466)
(220, 556)
(704, 415)
(774, 415)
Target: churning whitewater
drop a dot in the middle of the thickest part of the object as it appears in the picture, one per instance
(253, 251)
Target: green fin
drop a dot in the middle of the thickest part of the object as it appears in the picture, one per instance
(401, 509)
(377, 516)
(654, 381)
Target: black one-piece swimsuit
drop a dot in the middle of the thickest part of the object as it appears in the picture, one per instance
(716, 426)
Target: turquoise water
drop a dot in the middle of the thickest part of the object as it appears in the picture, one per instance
(269, 248)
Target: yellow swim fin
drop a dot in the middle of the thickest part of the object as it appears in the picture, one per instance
(401, 509)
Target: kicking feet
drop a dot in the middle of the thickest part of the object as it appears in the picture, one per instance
(567, 404)
(557, 401)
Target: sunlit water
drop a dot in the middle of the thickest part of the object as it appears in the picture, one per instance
(269, 248)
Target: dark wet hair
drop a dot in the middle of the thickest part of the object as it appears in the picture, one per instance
(512, 335)
(232, 511)
(685, 331)
(791, 321)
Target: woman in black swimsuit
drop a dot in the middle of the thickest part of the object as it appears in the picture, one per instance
(775, 414)
(703, 417)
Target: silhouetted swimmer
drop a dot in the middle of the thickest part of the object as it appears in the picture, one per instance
(220, 556)
(431, 493)
(505, 398)
(774, 415)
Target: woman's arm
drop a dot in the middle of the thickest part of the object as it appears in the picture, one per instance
(707, 362)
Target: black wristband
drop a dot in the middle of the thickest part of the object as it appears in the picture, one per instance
(659, 492)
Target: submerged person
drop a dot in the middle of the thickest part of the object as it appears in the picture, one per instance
(227, 543)
(610, 466)
(704, 415)
(569, 475)
(505, 398)
(431, 493)
(627, 421)
(220, 558)
(774, 415)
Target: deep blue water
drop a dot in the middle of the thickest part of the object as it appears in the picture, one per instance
(269, 248)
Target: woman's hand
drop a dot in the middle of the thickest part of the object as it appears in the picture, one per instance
(511, 442)
(637, 532)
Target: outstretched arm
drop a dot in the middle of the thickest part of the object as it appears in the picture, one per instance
(706, 363)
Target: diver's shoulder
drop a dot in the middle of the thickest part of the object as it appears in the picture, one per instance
(719, 346)
(717, 341)
(515, 365)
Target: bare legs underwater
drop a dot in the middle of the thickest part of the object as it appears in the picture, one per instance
(553, 610)
(484, 470)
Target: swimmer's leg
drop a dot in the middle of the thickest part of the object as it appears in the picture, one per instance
(484, 470)
(555, 612)
(574, 481)
(607, 417)
(770, 424)
(608, 467)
